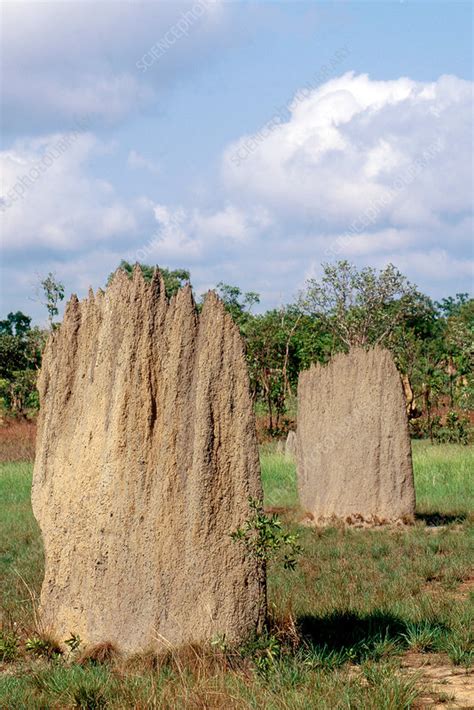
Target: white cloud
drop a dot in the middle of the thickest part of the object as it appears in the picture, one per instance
(198, 235)
(385, 240)
(230, 223)
(436, 265)
(349, 141)
(66, 58)
(367, 170)
(50, 200)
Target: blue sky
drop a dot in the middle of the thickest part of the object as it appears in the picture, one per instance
(352, 122)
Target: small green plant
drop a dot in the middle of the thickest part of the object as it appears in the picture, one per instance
(264, 539)
(264, 649)
(53, 291)
(446, 698)
(73, 642)
(378, 551)
(8, 647)
(384, 649)
(460, 654)
(219, 643)
(43, 646)
(387, 688)
(328, 658)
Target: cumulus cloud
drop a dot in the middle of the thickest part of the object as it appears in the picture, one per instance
(365, 167)
(199, 235)
(51, 202)
(57, 216)
(350, 140)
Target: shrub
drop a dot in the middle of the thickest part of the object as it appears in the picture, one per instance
(456, 430)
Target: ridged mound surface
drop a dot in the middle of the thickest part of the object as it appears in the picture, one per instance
(146, 456)
(354, 454)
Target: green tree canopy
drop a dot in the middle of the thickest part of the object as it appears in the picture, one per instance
(238, 303)
(15, 324)
(20, 357)
(361, 307)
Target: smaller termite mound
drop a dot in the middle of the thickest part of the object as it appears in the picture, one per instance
(354, 452)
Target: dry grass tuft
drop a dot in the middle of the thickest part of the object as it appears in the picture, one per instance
(98, 654)
(282, 625)
(200, 660)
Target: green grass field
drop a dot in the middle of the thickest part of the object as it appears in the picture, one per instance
(345, 624)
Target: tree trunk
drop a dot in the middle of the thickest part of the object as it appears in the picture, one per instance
(409, 397)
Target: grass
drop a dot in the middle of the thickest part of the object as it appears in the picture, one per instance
(21, 551)
(342, 623)
(444, 478)
(279, 480)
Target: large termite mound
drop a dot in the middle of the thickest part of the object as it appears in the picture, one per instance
(354, 454)
(146, 458)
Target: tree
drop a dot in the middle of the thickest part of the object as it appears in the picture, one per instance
(280, 343)
(20, 393)
(360, 308)
(174, 278)
(20, 345)
(435, 350)
(452, 305)
(416, 345)
(265, 349)
(13, 356)
(15, 324)
(20, 358)
(53, 293)
(236, 302)
(459, 348)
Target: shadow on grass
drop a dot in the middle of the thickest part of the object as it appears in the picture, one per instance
(358, 635)
(433, 520)
(342, 630)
